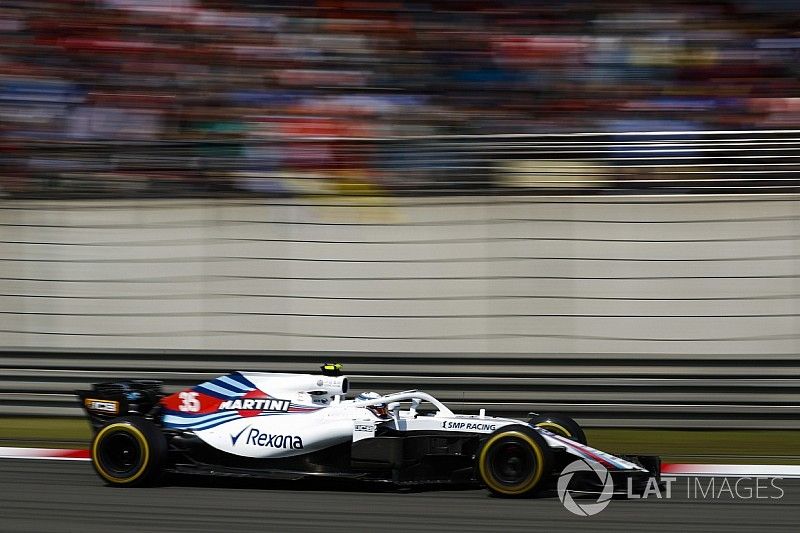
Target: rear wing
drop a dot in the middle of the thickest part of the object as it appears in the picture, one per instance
(106, 401)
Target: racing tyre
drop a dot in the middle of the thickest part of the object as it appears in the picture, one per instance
(560, 425)
(514, 461)
(128, 452)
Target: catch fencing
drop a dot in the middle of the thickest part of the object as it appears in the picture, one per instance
(290, 166)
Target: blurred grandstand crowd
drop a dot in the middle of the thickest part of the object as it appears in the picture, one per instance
(280, 97)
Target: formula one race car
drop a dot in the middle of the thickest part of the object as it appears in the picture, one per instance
(294, 426)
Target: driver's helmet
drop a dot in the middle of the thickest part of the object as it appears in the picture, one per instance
(380, 410)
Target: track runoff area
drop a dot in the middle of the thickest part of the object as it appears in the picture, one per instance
(55, 490)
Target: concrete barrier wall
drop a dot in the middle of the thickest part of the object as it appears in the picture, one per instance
(637, 275)
(644, 312)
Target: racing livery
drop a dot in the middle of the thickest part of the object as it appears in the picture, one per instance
(294, 426)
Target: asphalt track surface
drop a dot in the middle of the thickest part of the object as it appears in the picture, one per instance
(56, 496)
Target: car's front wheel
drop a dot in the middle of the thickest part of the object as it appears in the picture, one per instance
(514, 461)
(129, 451)
(560, 425)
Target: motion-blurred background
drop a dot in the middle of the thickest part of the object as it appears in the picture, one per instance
(176, 97)
(582, 206)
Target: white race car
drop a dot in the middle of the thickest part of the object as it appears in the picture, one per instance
(293, 426)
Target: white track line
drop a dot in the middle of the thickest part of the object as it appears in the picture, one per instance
(707, 470)
(44, 453)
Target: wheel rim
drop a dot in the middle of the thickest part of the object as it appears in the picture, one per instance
(120, 454)
(512, 462)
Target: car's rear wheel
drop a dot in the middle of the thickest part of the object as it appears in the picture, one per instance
(514, 461)
(129, 451)
(560, 425)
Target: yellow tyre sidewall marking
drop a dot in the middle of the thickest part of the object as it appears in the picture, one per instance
(138, 435)
(561, 430)
(527, 485)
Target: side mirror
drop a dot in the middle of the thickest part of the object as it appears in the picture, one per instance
(394, 412)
